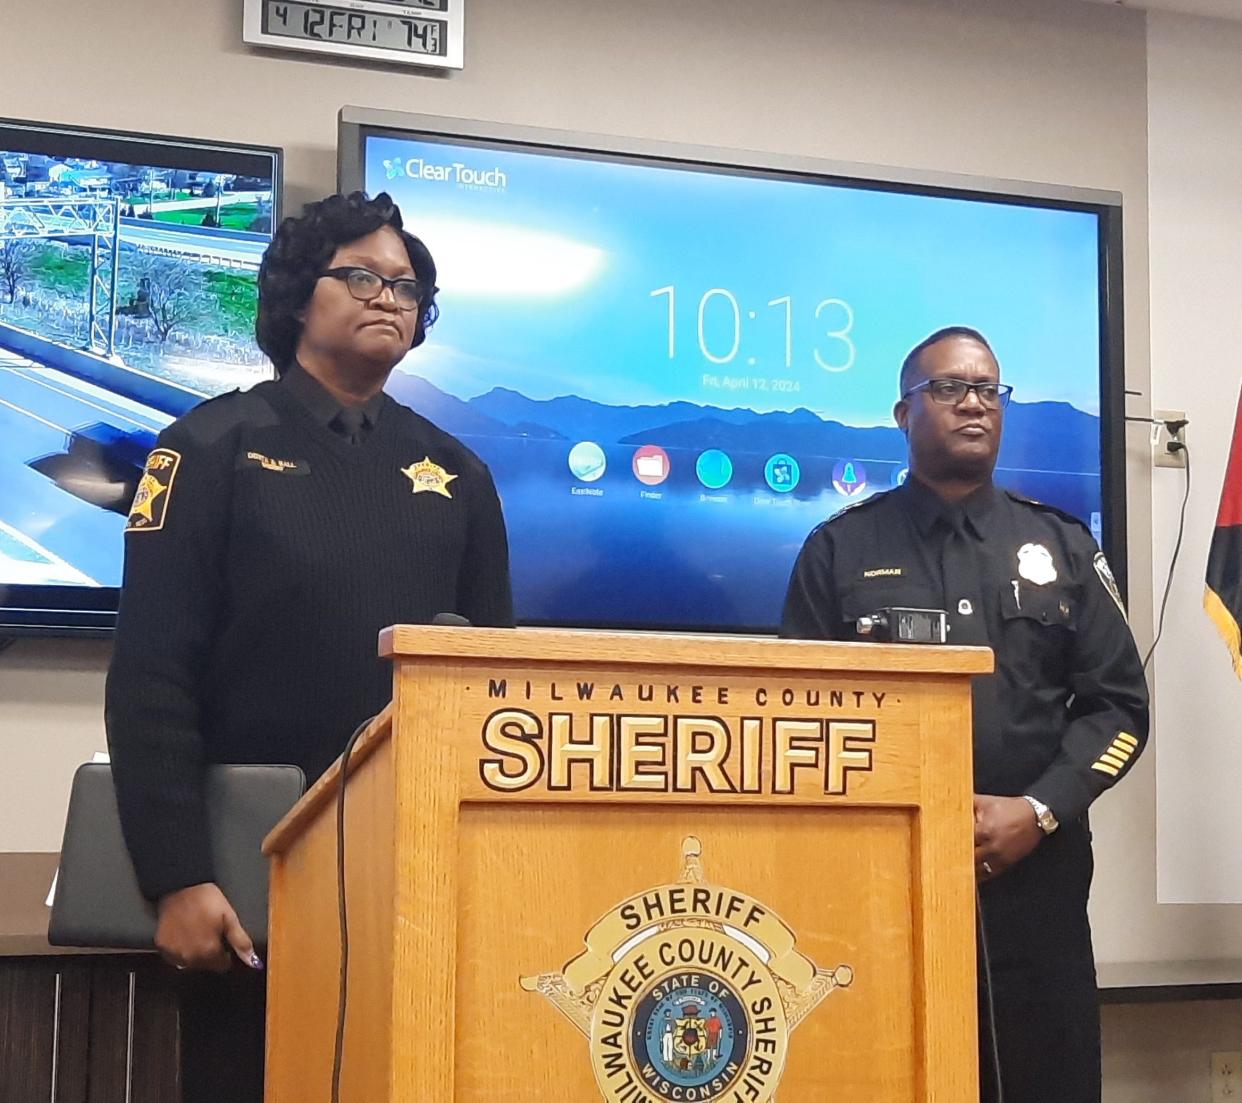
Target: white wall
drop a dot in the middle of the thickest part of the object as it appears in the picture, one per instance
(1195, 106)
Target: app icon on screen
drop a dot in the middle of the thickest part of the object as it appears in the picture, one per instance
(849, 478)
(586, 461)
(650, 464)
(782, 472)
(714, 469)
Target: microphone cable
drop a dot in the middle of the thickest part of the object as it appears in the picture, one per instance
(986, 958)
(342, 998)
(452, 620)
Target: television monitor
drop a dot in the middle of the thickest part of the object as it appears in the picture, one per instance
(128, 267)
(677, 361)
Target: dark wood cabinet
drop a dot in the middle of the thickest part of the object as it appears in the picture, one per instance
(87, 1029)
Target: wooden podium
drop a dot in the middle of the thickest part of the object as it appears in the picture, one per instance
(587, 866)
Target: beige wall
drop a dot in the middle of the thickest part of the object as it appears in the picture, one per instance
(1047, 90)
(1162, 1052)
(1195, 98)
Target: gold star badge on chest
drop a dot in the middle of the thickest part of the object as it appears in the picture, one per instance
(428, 477)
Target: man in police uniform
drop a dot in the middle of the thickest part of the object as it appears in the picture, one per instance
(1063, 718)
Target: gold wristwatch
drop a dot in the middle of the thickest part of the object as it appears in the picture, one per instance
(1043, 814)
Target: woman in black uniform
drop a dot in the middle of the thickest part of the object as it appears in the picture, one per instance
(273, 534)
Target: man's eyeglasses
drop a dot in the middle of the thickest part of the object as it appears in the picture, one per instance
(365, 285)
(949, 392)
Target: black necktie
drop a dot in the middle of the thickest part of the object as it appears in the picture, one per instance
(350, 423)
(963, 590)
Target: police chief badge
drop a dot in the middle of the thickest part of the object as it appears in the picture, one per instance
(1035, 564)
(428, 477)
(689, 991)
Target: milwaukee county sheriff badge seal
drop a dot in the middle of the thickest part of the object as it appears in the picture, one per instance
(428, 477)
(146, 513)
(689, 992)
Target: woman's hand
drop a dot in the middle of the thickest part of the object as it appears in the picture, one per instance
(198, 929)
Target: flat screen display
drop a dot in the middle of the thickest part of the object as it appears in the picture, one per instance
(128, 269)
(676, 369)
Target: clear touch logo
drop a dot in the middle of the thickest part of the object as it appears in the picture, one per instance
(456, 172)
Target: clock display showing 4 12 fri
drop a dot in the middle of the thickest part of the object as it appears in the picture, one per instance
(408, 32)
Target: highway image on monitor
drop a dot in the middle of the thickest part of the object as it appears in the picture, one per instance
(127, 295)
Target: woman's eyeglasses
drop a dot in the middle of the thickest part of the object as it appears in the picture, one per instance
(364, 285)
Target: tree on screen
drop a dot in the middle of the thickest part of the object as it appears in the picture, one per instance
(169, 293)
(15, 257)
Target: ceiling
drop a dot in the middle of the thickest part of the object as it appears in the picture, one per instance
(1219, 9)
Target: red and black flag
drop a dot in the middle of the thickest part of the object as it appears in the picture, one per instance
(1223, 597)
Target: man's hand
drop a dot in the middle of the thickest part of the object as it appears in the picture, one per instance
(198, 929)
(1006, 831)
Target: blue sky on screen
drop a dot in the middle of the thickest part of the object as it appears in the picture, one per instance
(548, 268)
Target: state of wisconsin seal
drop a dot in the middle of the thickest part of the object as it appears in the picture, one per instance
(689, 992)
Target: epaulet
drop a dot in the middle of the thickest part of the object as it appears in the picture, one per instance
(214, 417)
(1056, 511)
(862, 503)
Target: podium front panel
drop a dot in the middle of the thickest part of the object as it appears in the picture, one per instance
(672, 874)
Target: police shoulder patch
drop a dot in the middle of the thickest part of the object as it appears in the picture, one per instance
(150, 505)
(1105, 572)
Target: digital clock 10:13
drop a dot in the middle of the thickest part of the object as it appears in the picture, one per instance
(723, 324)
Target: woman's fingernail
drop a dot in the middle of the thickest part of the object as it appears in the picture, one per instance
(255, 961)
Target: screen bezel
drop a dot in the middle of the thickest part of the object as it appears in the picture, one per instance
(84, 611)
(356, 125)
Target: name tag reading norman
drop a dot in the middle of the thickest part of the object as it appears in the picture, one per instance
(658, 738)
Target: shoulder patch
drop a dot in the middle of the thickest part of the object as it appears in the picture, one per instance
(150, 505)
(1100, 563)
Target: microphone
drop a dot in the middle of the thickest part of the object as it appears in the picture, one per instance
(900, 625)
(451, 620)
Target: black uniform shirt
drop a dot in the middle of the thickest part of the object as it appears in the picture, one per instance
(263, 555)
(1064, 716)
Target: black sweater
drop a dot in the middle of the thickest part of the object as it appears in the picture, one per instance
(263, 556)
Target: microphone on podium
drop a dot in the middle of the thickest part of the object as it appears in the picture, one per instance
(451, 620)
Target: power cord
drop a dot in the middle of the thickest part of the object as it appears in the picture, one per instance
(1174, 446)
(342, 999)
(990, 999)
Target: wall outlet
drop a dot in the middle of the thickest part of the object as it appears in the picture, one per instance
(1160, 454)
(1227, 1077)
